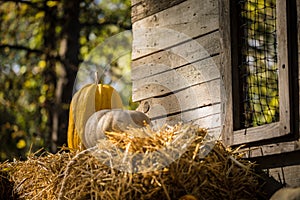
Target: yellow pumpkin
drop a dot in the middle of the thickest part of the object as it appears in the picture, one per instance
(85, 102)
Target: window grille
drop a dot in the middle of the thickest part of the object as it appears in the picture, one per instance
(257, 67)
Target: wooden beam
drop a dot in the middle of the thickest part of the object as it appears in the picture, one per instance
(277, 160)
(226, 71)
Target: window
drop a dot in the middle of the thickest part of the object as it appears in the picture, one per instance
(257, 67)
(260, 71)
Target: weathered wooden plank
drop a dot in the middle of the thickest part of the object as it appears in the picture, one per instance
(176, 79)
(144, 8)
(209, 121)
(226, 70)
(134, 2)
(283, 67)
(288, 175)
(174, 25)
(177, 56)
(258, 133)
(196, 114)
(190, 98)
(215, 132)
(271, 149)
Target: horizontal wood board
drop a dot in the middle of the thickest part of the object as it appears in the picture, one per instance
(211, 121)
(174, 25)
(177, 56)
(176, 79)
(196, 96)
(144, 8)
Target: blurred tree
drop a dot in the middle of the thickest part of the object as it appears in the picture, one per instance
(42, 44)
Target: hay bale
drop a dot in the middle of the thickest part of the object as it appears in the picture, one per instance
(146, 170)
(6, 186)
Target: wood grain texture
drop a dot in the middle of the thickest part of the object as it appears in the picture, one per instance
(209, 121)
(134, 2)
(215, 132)
(258, 133)
(174, 25)
(176, 79)
(187, 99)
(283, 67)
(288, 175)
(271, 149)
(144, 8)
(175, 65)
(226, 71)
(177, 56)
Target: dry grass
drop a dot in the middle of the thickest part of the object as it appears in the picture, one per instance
(131, 165)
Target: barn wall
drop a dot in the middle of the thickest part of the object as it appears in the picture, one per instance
(175, 68)
(176, 71)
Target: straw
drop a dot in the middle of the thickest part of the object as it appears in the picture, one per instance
(137, 164)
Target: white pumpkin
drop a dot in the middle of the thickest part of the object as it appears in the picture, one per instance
(111, 120)
(287, 194)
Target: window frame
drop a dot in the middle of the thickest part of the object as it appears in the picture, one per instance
(286, 129)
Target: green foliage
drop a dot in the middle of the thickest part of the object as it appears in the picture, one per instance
(31, 64)
(23, 115)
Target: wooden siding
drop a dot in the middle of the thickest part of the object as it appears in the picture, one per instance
(177, 79)
(175, 67)
(168, 58)
(172, 42)
(188, 18)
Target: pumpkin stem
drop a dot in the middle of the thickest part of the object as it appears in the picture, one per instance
(96, 78)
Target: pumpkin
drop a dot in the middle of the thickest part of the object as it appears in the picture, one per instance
(286, 194)
(111, 120)
(188, 197)
(85, 102)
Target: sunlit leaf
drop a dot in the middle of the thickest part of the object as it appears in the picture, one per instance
(21, 144)
(23, 69)
(40, 14)
(52, 3)
(42, 99)
(42, 64)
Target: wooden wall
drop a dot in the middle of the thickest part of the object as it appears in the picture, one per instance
(177, 54)
(175, 68)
